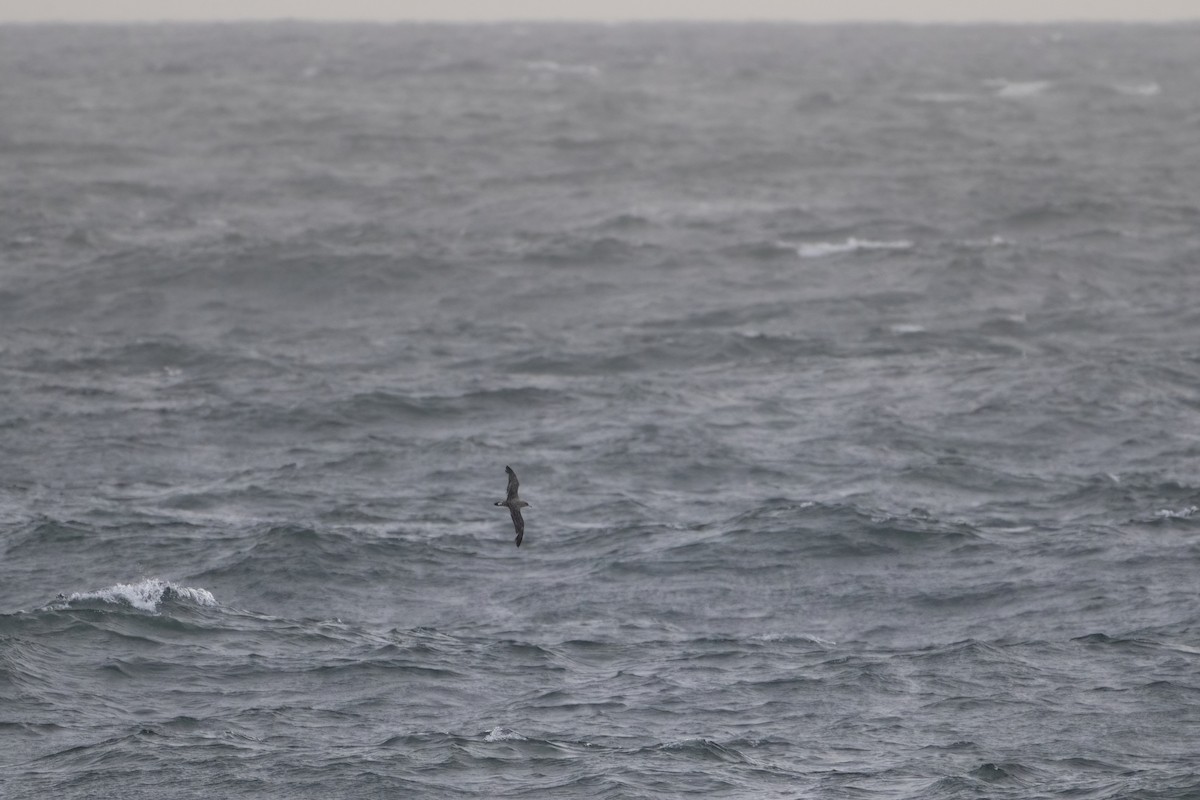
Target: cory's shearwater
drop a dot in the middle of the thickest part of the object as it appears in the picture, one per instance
(514, 504)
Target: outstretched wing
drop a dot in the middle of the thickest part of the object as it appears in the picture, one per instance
(513, 483)
(518, 523)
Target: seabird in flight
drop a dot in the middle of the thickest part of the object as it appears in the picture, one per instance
(514, 504)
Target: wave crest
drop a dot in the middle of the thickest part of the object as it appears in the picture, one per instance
(851, 245)
(502, 734)
(146, 595)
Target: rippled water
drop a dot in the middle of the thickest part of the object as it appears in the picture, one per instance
(850, 373)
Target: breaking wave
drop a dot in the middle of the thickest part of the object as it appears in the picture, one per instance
(146, 595)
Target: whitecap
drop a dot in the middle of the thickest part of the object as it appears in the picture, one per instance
(942, 97)
(1012, 89)
(1148, 89)
(906, 328)
(502, 734)
(584, 70)
(995, 241)
(851, 245)
(1182, 513)
(145, 595)
(791, 638)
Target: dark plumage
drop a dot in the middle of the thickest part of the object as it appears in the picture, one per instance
(514, 504)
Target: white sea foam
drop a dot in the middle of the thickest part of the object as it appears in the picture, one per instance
(906, 328)
(1012, 89)
(146, 595)
(1148, 89)
(793, 637)
(501, 734)
(994, 241)
(942, 97)
(851, 245)
(585, 70)
(1182, 513)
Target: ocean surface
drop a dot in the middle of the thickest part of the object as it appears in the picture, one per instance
(852, 375)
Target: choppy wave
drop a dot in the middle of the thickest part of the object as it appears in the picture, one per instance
(502, 734)
(554, 67)
(1180, 513)
(852, 404)
(851, 245)
(146, 595)
(1146, 89)
(1019, 89)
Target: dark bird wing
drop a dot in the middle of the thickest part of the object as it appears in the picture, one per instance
(518, 523)
(513, 483)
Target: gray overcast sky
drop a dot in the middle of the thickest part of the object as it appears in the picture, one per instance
(805, 10)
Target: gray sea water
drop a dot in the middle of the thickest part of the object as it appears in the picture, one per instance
(851, 373)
